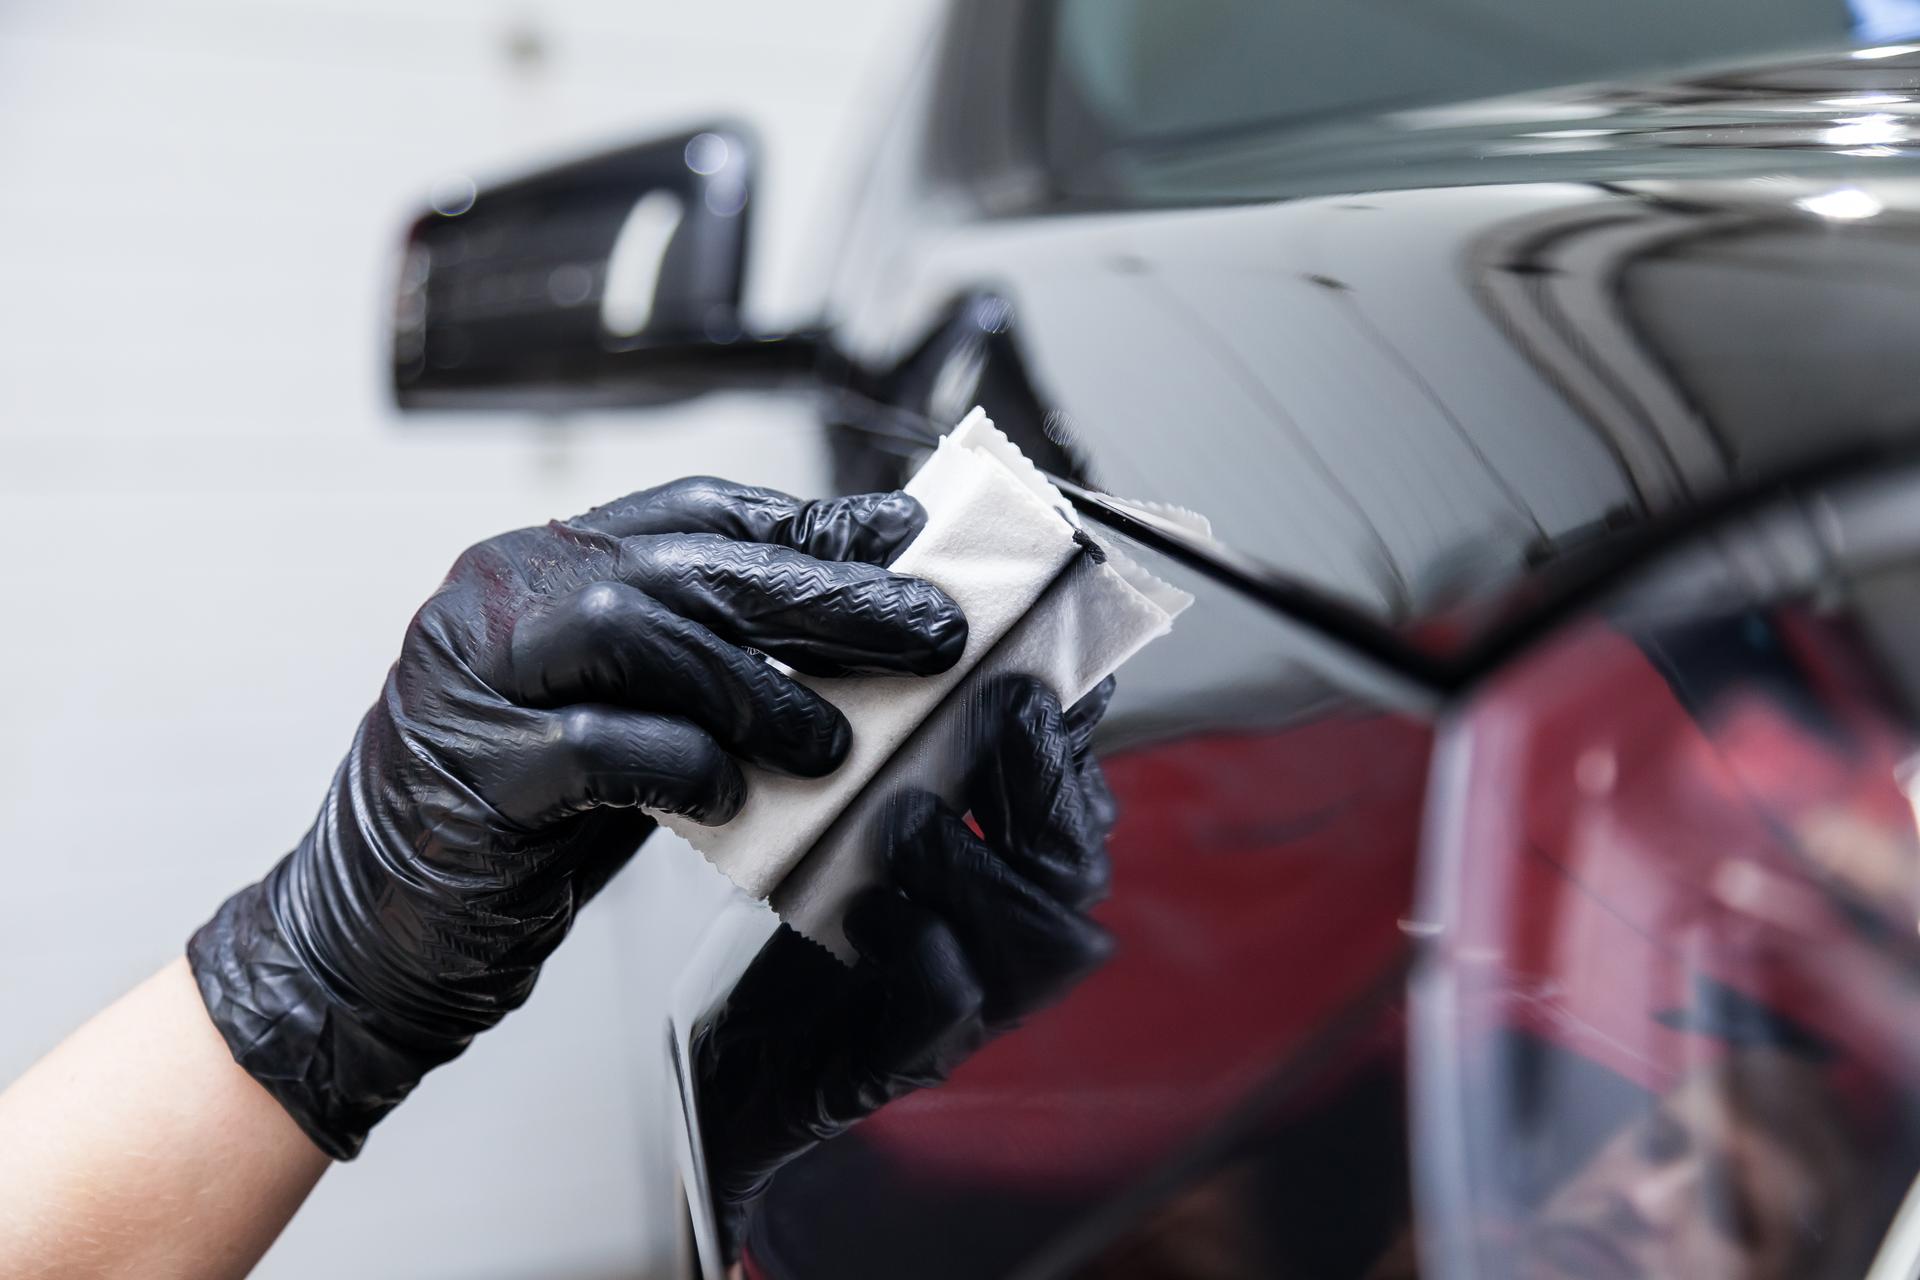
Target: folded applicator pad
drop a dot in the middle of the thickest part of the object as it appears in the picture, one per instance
(1040, 598)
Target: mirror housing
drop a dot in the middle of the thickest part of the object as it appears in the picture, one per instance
(613, 280)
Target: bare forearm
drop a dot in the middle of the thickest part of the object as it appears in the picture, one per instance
(138, 1148)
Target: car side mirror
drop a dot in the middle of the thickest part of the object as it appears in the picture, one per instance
(610, 280)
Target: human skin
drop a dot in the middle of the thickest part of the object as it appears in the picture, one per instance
(138, 1148)
(1710, 1184)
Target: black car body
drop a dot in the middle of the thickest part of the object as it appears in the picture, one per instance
(1532, 773)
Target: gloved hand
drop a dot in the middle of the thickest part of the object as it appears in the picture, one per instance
(560, 678)
(971, 935)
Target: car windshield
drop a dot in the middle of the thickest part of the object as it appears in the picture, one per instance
(1140, 76)
(1250, 98)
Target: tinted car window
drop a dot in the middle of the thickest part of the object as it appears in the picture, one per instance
(1131, 78)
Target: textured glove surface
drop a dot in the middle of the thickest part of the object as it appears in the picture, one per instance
(972, 935)
(561, 678)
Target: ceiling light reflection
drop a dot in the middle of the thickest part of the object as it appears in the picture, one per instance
(1865, 131)
(1864, 100)
(1844, 204)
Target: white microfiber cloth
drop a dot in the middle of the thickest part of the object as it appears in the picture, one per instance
(1040, 598)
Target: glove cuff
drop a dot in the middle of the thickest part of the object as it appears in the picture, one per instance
(333, 1070)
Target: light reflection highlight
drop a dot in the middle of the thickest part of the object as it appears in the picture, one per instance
(707, 153)
(1865, 131)
(453, 195)
(1844, 204)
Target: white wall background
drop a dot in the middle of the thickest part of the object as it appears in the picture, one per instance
(213, 528)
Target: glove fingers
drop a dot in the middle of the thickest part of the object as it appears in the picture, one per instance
(1025, 947)
(871, 527)
(620, 835)
(1025, 789)
(925, 1002)
(1084, 716)
(1102, 809)
(611, 643)
(591, 756)
(822, 617)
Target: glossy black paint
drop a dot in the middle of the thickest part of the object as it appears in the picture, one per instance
(1546, 337)
(1442, 376)
(504, 299)
(1441, 380)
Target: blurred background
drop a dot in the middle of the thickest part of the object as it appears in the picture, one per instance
(216, 528)
(1525, 346)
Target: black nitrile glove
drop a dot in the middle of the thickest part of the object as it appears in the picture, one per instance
(559, 679)
(971, 936)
